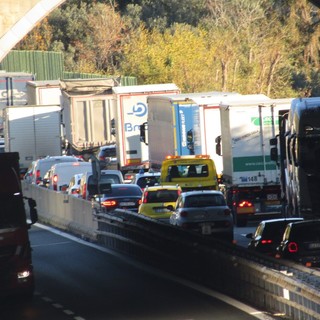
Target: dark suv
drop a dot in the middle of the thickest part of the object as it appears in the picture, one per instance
(301, 243)
(268, 235)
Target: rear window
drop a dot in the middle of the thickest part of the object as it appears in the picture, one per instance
(162, 196)
(106, 178)
(310, 233)
(205, 200)
(148, 181)
(125, 191)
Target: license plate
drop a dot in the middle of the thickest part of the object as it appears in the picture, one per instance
(161, 210)
(206, 229)
(315, 245)
(127, 204)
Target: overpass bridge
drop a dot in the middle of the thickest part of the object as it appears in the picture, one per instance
(18, 17)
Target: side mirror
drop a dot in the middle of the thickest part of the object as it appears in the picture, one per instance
(33, 211)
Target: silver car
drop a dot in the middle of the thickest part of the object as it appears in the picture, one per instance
(205, 212)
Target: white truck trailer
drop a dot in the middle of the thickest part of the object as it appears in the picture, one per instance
(171, 117)
(33, 131)
(99, 112)
(131, 111)
(43, 92)
(251, 179)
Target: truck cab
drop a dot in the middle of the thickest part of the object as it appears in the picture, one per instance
(196, 172)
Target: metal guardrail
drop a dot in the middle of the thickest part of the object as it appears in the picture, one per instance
(267, 283)
(276, 286)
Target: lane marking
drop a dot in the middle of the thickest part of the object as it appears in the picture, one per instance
(212, 293)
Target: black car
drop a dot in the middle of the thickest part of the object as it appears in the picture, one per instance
(301, 243)
(119, 196)
(268, 235)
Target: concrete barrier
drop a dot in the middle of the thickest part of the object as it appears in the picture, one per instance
(63, 211)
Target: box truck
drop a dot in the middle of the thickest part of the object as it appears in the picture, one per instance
(33, 131)
(251, 180)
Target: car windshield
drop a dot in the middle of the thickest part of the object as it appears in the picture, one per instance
(148, 181)
(162, 196)
(205, 200)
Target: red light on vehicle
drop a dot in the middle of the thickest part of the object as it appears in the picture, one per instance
(139, 201)
(37, 176)
(266, 241)
(292, 247)
(183, 214)
(109, 203)
(145, 197)
(244, 204)
(55, 182)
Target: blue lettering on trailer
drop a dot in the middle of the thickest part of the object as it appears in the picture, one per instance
(138, 110)
(129, 127)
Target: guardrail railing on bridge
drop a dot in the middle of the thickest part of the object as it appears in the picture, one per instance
(272, 285)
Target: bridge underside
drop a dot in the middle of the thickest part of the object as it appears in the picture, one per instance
(17, 18)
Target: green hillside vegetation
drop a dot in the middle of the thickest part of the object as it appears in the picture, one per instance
(261, 46)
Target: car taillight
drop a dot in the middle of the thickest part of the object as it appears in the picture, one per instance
(245, 203)
(227, 212)
(183, 214)
(266, 241)
(109, 203)
(38, 177)
(292, 247)
(54, 182)
(145, 199)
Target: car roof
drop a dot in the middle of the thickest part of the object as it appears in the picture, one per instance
(305, 223)
(161, 187)
(199, 192)
(52, 158)
(281, 220)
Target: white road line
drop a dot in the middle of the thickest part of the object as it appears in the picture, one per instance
(237, 304)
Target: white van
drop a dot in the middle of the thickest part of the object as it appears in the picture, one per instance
(59, 175)
(107, 176)
(38, 168)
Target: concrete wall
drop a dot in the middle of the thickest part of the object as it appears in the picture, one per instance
(63, 211)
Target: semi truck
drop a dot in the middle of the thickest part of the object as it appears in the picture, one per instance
(16, 269)
(99, 113)
(33, 131)
(170, 119)
(251, 181)
(296, 151)
(172, 128)
(13, 90)
(131, 110)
